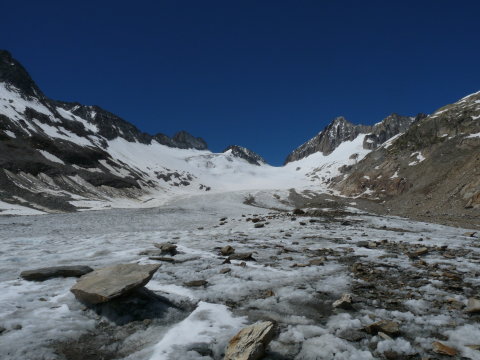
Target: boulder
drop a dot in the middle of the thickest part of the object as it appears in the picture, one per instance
(250, 342)
(473, 305)
(167, 248)
(241, 256)
(227, 250)
(345, 302)
(56, 271)
(298, 212)
(108, 283)
(259, 225)
(388, 327)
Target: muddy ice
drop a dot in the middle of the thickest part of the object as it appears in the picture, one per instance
(415, 275)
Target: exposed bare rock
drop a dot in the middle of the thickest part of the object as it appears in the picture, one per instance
(56, 271)
(167, 248)
(250, 343)
(227, 250)
(443, 349)
(108, 283)
(386, 326)
(473, 305)
(345, 302)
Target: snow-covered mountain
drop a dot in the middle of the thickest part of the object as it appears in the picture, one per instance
(58, 156)
(341, 130)
(433, 168)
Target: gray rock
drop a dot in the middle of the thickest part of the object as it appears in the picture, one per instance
(108, 283)
(241, 256)
(345, 302)
(250, 342)
(473, 305)
(56, 271)
(196, 283)
(167, 248)
(227, 250)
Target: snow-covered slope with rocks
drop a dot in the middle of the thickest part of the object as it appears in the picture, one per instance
(341, 130)
(58, 156)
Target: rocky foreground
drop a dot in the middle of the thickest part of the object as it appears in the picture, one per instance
(207, 280)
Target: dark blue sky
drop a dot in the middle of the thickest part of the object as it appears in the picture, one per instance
(267, 75)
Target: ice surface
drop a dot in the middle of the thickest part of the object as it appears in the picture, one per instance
(302, 296)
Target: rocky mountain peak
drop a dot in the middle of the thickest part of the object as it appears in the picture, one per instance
(185, 140)
(14, 74)
(341, 130)
(246, 154)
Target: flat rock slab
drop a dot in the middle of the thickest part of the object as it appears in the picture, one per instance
(250, 343)
(108, 283)
(55, 271)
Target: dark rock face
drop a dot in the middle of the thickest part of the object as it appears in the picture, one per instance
(78, 150)
(431, 170)
(341, 130)
(56, 271)
(184, 140)
(13, 73)
(246, 154)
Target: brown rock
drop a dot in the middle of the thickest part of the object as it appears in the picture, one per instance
(250, 343)
(386, 326)
(473, 305)
(443, 349)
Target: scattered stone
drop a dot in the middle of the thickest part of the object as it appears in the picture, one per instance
(243, 264)
(196, 283)
(443, 349)
(352, 335)
(473, 305)
(345, 302)
(386, 326)
(54, 272)
(384, 336)
(242, 256)
(255, 220)
(259, 225)
(2, 330)
(162, 258)
(108, 283)
(223, 219)
(473, 347)
(250, 343)
(268, 293)
(362, 243)
(17, 327)
(167, 248)
(316, 262)
(470, 234)
(227, 250)
(302, 223)
(298, 212)
(225, 270)
(421, 251)
(200, 228)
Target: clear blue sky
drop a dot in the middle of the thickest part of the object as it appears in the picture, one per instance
(267, 75)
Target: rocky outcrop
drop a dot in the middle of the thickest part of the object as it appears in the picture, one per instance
(108, 283)
(245, 154)
(250, 343)
(431, 170)
(341, 130)
(60, 148)
(55, 271)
